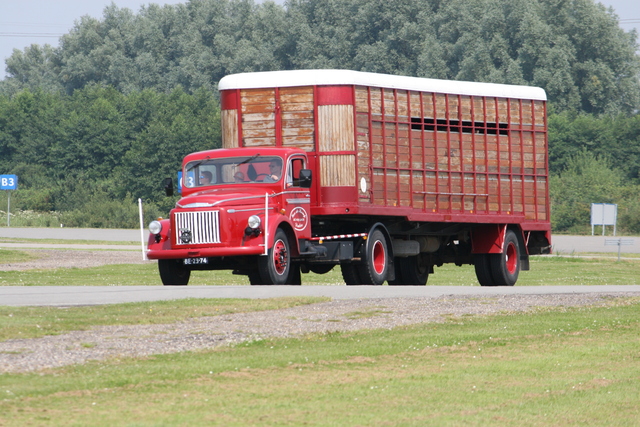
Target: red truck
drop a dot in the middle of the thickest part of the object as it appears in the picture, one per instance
(386, 176)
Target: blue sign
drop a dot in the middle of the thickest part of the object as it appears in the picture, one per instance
(8, 182)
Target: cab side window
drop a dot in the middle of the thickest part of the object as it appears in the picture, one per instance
(293, 173)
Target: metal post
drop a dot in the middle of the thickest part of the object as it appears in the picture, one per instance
(144, 254)
(8, 208)
(619, 247)
(266, 223)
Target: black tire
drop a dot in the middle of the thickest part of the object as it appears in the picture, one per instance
(374, 269)
(505, 267)
(414, 270)
(254, 277)
(483, 269)
(173, 272)
(350, 274)
(321, 268)
(275, 268)
(295, 278)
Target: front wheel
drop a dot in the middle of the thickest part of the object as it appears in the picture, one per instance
(173, 272)
(275, 268)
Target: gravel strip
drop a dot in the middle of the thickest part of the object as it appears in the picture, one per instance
(113, 342)
(55, 258)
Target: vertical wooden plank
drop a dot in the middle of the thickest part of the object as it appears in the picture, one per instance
(258, 117)
(335, 128)
(229, 128)
(297, 120)
(337, 170)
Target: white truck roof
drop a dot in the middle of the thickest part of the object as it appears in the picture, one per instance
(292, 78)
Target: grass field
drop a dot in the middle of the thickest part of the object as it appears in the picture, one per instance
(559, 367)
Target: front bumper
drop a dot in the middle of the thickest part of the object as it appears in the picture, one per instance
(203, 252)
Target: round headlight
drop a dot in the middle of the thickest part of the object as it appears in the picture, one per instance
(155, 227)
(254, 221)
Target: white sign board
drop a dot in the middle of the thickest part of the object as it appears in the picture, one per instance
(604, 214)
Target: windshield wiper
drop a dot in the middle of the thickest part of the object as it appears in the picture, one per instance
(250, 159)
(196, 164)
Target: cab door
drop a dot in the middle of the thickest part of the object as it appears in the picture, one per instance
(297, 200)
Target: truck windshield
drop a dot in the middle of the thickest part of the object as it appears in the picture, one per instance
(232, 170)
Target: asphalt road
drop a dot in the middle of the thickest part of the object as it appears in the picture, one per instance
(64, 296)
(91, 295)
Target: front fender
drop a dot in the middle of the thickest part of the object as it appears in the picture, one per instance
(161, 241)
(283, 222)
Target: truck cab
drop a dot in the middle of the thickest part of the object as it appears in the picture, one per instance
(236, 206)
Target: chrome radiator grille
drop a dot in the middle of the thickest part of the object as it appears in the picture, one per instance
(194, 228)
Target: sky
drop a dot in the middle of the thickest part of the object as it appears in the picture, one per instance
(26, 22)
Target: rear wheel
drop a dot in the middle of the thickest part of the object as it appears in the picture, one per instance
(350, 274)
(173, 272)
(415, 270)
(376, 260)
(505, 267)
(320, 268)
(483, 269)
(500, 269)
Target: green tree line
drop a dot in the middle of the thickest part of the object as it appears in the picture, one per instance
(575, 49)
(94, 124)
(93, 152)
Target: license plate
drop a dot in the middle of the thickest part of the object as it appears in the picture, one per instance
(196, 261)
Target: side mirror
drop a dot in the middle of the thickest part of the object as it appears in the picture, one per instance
(168, 186)
(305, 178)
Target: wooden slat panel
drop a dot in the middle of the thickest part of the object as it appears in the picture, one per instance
(403, 105)
(454, 110)
(259, 117)
(259, 142)
(258, 125)
(229, 128)
(389, 104)
(404, 184)
(503, 110)
(465, 108)
(539, 114)
(441, 107)
(296, 95)
(515, 111)
(257, 101)
(305, 143)
(336, 128)
(362, 99)
(338, 170)
(376, 101)
(478, 108)
(296, 117)
(260, 132)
